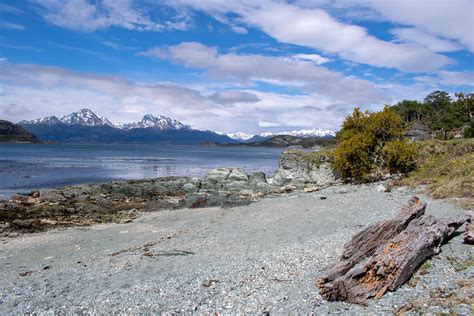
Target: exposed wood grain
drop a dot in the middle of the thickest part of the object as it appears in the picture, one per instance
(383, 256)
(469, 231)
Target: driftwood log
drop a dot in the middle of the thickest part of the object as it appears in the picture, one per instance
(469, 232)
(383, 256)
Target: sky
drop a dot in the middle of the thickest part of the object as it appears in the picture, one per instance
(228, 66)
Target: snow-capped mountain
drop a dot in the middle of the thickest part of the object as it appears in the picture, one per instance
(305, 133)
(85, 126)
(84, 117)
(49, 120)
(240, 136)
(316, 132)
(160, 122)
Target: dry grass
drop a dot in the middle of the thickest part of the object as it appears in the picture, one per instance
(445, 170)
(312, 158)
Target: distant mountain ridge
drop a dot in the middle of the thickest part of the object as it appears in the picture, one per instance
(86, 126)
(305, 133)
(279, 141)
(86, 117)
(160, 122)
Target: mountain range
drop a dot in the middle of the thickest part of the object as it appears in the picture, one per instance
(305, 133)
(86, 126)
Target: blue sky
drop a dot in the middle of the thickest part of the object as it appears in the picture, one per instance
(230, 65)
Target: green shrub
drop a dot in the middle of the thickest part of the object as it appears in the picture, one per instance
(469, 130)
(351, 159)
(370, 144)
(399, 156)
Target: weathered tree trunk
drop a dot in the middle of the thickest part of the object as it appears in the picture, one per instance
(383, 256)
(469, 232)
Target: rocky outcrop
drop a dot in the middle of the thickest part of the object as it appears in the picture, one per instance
(302, 169)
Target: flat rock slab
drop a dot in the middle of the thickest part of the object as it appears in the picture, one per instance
(257, 258)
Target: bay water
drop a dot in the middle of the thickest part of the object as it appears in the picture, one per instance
(26, 167)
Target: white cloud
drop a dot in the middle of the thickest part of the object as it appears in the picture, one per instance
(302, 75)
(40, 91)
(231, 97)
(15, 110)
(455, 78)
(267, 124)
(318, 59)
(83, 15)
(449, 19)
(11, 26)
(67, 91)
(448, 78)
(316, 29)
(56, 91)
(425, 39)
(239, 29)
(10, 9)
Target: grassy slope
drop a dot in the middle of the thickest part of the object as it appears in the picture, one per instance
(445, 170)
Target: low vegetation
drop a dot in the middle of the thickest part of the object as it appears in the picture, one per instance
(445, 169)
(445, 117)
(370, 144)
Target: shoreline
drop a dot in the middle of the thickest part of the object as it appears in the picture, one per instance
(261, 257)
(122, 201)
(28, 167)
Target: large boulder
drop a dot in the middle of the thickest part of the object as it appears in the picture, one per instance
(233, 179)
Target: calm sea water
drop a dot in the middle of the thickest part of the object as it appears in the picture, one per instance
(24, 167)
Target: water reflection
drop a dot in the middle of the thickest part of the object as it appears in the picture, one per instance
(24, 167)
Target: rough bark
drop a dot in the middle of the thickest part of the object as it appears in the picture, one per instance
(469, 232)
(383, 256)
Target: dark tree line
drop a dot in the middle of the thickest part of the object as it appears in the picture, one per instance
(440, 112)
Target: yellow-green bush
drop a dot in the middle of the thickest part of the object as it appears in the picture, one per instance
(399, 156)
(351, 159)
(370, 144)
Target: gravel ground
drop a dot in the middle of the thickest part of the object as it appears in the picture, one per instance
(263, 257)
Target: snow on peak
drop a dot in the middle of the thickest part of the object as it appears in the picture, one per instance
(85, 117)
(240, 136)
(316, 132)
(160, 122)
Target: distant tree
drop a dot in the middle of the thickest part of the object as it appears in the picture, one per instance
(409, 110)
(464, 104)
(439, 101)
(439, 112)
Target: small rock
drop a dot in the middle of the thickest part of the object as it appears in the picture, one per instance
(209, 283)
(189, 187)
(320, 197)
(382, 188)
